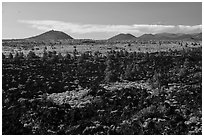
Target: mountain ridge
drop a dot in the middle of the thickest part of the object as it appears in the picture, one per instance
(158, 36)
(59, 35)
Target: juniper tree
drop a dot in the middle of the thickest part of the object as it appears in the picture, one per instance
(45, 55)
(60, 57)
(10, 56)
(128, 74)
(17, 57)
(31, 55)
(3, 56)
(67, 56)
(110, 72)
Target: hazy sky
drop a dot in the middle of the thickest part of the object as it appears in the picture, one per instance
(99, 20)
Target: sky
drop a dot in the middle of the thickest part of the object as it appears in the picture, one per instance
(99, 20)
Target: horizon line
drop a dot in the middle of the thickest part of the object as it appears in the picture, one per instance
(95, 39)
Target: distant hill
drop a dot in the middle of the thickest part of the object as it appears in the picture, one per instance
(122, 37)
(158, 36)
(50, 35)
(171, 36)
(147, 37)
(197, 36)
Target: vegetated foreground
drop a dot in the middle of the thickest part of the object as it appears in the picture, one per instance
(118, 93)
